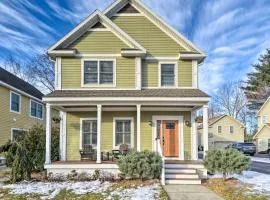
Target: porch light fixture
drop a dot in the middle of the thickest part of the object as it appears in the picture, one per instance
(150, 123)
(187, 123)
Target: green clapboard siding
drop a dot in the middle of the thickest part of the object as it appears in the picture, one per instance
(99, 43)
(10, 120)
(146, 130)
(148, 35)
(185, 73)
(125, 72)
(150, 73)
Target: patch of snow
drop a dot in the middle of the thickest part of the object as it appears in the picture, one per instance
(150, 192)
(258, 159)
(259, 181)
(51, 189)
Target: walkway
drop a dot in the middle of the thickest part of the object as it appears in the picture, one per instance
(190, 192)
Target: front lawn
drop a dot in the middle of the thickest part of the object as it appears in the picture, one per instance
(84, 190)
(248, 186)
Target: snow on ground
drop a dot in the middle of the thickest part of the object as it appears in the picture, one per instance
(259, 181)
(146, 192)
(258, 159)
(51, 189)
(48, 190)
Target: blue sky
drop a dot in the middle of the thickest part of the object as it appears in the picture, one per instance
(233, 33)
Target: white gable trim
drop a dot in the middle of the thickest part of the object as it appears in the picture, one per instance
(91, 20)
(268, 99)
(174, 34)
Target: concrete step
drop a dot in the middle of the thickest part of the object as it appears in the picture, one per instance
(181, 176)
(180, 171)
(183, 181)
(184, 166)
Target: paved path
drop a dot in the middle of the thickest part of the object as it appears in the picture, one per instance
(261, 167)
(190, 192)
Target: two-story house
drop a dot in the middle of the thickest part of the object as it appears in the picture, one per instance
(222, 131)
(124, 76)
(262, 137)
(21, 106)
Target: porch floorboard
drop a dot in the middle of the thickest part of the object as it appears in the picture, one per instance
(83, 162)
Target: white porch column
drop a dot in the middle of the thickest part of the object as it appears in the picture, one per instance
(138, 127)
(99, 113)
(194, 137)
(63, 137)
(205, 129)
(48, 134)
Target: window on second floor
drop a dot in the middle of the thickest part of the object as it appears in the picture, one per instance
(99, 72)
(219, 129)
(231, 129)
(264, 119)
(167, 74)
(15, 102)
(36, 109)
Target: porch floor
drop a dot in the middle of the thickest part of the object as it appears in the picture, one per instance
(83, 162)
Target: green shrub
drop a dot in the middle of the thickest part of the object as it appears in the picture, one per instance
(26, 153)
(143, 165)
(228, 161)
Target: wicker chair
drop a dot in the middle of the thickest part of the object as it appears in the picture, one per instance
(122, 151)
(87, 152)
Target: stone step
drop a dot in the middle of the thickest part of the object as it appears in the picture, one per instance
(181, 176)
(180, 171)
(183, 181)
(184, 166)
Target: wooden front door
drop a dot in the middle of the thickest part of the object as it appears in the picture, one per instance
(169, 138)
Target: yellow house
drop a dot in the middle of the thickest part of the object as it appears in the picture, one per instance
(125, 77)
(223, 130)
(21, 106)
(262, 137)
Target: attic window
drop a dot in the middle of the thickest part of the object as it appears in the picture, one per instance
(128, 9)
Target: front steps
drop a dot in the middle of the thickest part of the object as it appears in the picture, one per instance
(182, 172)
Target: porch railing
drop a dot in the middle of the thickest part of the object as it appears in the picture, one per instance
(159, 149)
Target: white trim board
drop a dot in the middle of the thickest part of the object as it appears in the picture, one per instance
(180, 120)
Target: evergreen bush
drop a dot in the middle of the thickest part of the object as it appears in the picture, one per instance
(226, 162)
(143, 165)
(26, 153)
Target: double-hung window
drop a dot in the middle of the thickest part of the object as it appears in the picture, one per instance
(16, 133)
(167, 74)
(89, 132)
(123, 132)
(36, 109)
(231, 129)
(219, 129)
(99, 72)
(15, 102)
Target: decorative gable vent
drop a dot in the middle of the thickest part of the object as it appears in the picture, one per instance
(98, 25)
(128, 9)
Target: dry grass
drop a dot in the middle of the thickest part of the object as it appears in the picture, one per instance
(233, 189)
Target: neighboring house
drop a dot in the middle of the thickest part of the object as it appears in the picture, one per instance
(123, 76)
(262, 137)
(223, 130)
(20, 106)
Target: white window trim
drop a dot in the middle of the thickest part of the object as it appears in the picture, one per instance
(81, 129)
(218, 131)
(10, 102)
(230, 129)
(11, 132)
(262, 118)
(132, 130)
(175, 74)
(98, 60)
(30, 113)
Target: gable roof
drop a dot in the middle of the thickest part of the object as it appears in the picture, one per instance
(267, 125)
(10, 80)
(268, 99)
(165, 27)
(214, 120)
(90, 21)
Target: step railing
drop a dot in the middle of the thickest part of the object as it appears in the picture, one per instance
(159, 149)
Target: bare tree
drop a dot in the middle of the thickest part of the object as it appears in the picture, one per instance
(39, 71)
(230, 99)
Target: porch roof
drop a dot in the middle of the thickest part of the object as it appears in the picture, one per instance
(129, 93)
